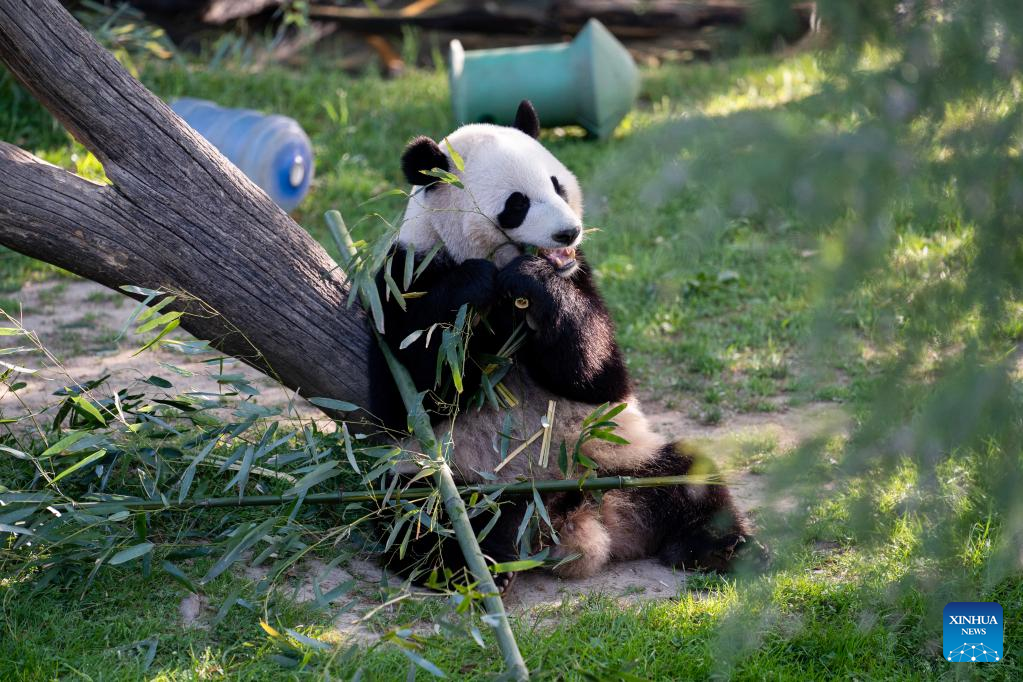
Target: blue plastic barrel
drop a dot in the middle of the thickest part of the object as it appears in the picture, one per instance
(273, 151)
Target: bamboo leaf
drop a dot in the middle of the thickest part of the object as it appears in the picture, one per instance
(427, 258)
(392, 287)
(171, 326)
(525, 522)
(308, 641)
(410, 339)
(164, 319)
(321, 473)
(189, 475)
(455, 157)
(423, 663)
(180, 576)
(513, 566)
(18, 368)
(126, 555)
(376, 307)
(89, 409)
(349, 452)
(78, 465)
(242, 477)
(64, 443)
(335, 405)
(410, 263)
(542, 509)
(249, 539)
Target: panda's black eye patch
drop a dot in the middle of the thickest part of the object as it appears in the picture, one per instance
(559, 189)
(516, 206)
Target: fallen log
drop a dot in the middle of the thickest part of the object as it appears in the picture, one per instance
(176, 216)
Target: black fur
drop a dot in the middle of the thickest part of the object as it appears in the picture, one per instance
(572, 352)
(693, 526)
(448, 286)
(516, 206)
(526, 119)
(559, 189)
(422, 154)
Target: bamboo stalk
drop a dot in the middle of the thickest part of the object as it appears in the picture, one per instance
(560, 485)
(445, 483)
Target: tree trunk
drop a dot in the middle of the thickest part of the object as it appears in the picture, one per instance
(177, 217)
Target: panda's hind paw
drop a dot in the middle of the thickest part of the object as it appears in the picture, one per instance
(504, 581)
(736, 553)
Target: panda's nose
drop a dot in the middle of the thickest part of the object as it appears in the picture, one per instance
(566, 236)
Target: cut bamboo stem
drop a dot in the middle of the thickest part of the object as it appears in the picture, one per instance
(445, 482)
(350, 497)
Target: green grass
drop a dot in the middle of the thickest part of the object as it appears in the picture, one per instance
(712, 310)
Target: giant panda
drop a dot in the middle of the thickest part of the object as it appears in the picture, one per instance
(510, 233)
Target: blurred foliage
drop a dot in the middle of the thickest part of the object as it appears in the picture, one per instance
(906, 166)
(124, 31)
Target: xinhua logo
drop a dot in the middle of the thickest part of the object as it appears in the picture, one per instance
(973, 632)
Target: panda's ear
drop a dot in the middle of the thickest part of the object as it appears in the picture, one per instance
(526, 119)
(422, 154)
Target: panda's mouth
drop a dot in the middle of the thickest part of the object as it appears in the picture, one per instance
(562, 259)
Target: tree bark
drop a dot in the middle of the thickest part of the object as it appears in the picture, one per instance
(178, 216)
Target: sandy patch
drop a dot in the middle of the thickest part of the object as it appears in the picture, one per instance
(79, 323)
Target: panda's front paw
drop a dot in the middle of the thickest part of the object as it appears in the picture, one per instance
(479, 277)
(527, 281)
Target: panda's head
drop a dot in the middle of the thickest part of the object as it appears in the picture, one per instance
(515, 195)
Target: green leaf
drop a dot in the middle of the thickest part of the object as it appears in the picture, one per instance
(164, 319)
(446, 177)
(321, 473)
(410, 339)
(248, 540)
(459, 163)
(308, 641)
(164, 332)
(392, 287)
(427, 258)
(410, 262)
(336, 405)
(180, 576)
(349, 452)
(63, 444)
(186, 478)
(610, 437)
(376, 307)
(423, 663)
(134, 552)
(89, 409)
(513, 566)
(78, 465)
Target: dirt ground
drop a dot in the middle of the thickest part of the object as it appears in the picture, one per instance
(79, 322)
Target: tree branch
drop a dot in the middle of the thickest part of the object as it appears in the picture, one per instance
(178, 215)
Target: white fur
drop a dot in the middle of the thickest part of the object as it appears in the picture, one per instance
(497, 162)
